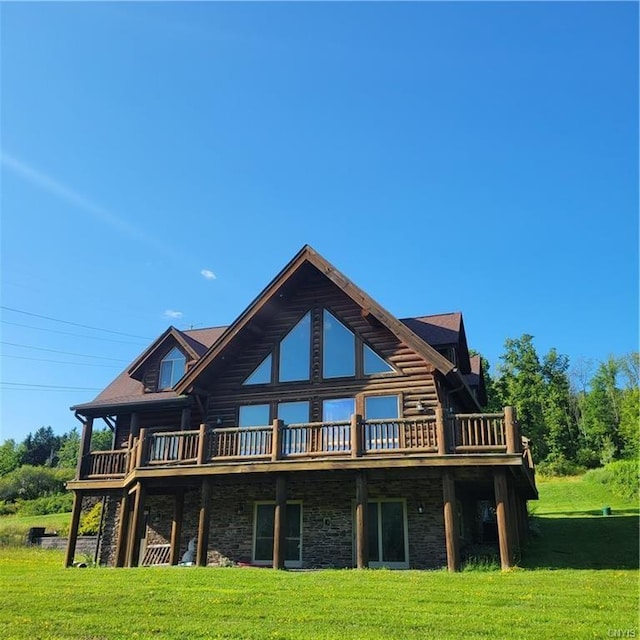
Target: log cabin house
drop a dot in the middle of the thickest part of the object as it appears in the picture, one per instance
(317, 430)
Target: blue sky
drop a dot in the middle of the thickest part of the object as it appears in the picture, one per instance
(445, 156)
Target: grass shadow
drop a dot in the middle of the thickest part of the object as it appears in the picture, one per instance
(584, 542)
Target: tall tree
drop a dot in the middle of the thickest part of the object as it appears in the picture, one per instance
(41, 448)
(562, 433)
(601, 412)
(521, 385)
(10, 456)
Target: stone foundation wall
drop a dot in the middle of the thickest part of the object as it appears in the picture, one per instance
(327, 516)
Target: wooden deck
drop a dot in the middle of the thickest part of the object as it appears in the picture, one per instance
(169, 452)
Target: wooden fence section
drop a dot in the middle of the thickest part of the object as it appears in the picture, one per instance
(428, 434)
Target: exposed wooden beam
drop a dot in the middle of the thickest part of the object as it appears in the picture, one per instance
(450, 521)
(280, 522)
(73, 529)
(203, 523)
(123, 529)
(501, 489)
(362, 521)
(137, 524)
(176, 526)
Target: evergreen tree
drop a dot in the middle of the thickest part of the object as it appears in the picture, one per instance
(521, 385)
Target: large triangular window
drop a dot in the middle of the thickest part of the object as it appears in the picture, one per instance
(338, 348)
(342, 354)
(295, 352)
(373, 363)
(262, 373)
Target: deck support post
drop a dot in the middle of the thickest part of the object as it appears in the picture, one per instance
(362, 521)
(276, 440)
(137, 524)
(356, 435)
(280, 522)
(202, 437)
(123, 528)
(176, 527)
(203, 523)
(85, 448)
(441, 433)
(73, 529)
(141, 454)
(501, 490)
(450, 521)
(512, 436)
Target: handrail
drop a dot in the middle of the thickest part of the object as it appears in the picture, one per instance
(424, 434)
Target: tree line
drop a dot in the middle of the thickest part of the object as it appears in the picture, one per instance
(585, 414)
(581, 415)
(45, 449)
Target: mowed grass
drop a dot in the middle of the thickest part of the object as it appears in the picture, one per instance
(39, 599)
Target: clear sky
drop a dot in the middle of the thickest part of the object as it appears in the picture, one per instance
(480, 157)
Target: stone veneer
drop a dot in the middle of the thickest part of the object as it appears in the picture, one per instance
(327, 516)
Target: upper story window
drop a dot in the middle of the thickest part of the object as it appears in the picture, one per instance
(341, 353)
(338, 348)
(295, 352)
(172, 368)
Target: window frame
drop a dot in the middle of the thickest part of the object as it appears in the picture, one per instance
(167, 360)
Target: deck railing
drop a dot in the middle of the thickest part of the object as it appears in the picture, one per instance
(107, 464)
(456, 434)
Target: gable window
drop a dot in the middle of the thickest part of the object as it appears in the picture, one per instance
(295, 352)
(339, 353)
(172, 368)
(373, 363)
(262, 373)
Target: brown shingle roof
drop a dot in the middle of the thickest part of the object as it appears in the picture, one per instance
(436, 330)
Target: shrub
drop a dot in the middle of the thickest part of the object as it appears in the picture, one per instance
(60, 503)
(90, 521)
(557, 465)
(621, 477)
(28, 483)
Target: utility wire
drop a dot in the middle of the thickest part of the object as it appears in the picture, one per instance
(75, 364)
(67, 353)
(75, 324)
(50, 386)
(67, 333)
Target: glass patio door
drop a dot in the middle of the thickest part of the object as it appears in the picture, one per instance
(388, 534)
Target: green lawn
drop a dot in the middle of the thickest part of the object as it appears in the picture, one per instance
(590, 590)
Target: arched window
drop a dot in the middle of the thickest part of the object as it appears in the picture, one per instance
(172, 368)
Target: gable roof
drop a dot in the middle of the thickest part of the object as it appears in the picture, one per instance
(307, 255)
(128, 391)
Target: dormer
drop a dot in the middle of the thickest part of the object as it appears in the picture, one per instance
(165, 362)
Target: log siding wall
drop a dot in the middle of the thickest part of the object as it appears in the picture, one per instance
(413, 381)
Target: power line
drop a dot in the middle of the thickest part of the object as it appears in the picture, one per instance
(50, 386)
(67, 333)
(67, 353)
(75, 364)
(75, 324)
